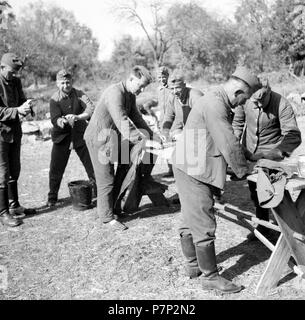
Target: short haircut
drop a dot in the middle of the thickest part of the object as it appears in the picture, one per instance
(141, 72)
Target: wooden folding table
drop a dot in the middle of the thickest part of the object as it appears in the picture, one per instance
(290, 217)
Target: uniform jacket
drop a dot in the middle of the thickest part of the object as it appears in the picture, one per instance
(274, 126)
(177, 110)
(11, 97)
(208, 142)
(164, 97)
(116, 119)
(61, 104)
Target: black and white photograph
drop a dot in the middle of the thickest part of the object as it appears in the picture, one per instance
(152, 153)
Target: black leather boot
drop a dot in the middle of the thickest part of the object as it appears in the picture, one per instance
(15, 208)
(5, 218)
(211, 280)
(188, 250)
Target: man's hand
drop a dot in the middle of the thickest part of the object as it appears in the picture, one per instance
(25, 108)
(165, 136)
(71, 118)
(176, 134)
(61, 122)
(274, 154)
(153, 144)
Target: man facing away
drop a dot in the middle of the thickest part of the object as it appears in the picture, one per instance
(268, 129)
(69, 108)
(13, 106)
(116, 126)
(203, 151)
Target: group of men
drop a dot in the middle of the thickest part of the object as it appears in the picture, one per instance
(238, 122)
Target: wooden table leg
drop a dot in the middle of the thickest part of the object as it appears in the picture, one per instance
(276, 265)
(290, 221)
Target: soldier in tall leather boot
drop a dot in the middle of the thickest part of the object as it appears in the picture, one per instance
(210, 279)
(13, 106)
(14, 206)
(5, 217)
(189, 252)
(200, 172)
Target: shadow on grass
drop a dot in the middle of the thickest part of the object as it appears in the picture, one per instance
(62, 203)
(247, 259)
(252, 254)
(149, 210)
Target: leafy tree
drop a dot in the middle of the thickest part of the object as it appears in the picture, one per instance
(155, 33)
(288, 34)
(253, 21)
(202, 44)
(129, 52)
(51, 38)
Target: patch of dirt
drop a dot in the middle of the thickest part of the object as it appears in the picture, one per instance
(64, 254)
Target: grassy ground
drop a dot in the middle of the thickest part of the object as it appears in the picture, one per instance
(64, 254)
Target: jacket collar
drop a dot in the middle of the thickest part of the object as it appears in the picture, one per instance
(5, 81)
(63, 95)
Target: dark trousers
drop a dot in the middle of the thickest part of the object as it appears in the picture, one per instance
(9, 161)
(59, 158)
(108, 183)
(9, 172)
(197, 208)
(261, 213)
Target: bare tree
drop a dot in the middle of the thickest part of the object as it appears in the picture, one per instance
(155, 33)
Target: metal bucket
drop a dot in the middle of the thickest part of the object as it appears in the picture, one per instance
(301, 166)
(81, 194)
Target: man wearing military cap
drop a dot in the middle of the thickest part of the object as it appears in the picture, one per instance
(13, 105)
(164, 93)
(179, 106)
(203, 151)
(267, 126)
(70, 109)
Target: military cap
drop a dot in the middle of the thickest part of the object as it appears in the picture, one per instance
(163, 71)
(177, 77)
(270, 187)
(247, 76)
(63, 74)
(12, 60)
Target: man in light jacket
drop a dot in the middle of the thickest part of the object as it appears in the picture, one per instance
(203, 151)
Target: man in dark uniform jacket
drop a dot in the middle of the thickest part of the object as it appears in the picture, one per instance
(117, 125)
(267, 126)
(13, 104)
(69, 108)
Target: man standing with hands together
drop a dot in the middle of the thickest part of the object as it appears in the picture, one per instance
(13, 105)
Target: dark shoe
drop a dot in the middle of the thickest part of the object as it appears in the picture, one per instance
(20, 212)
(7, 220)
(211, 280)
(51, 203)
(217, 282)
(169, 174)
